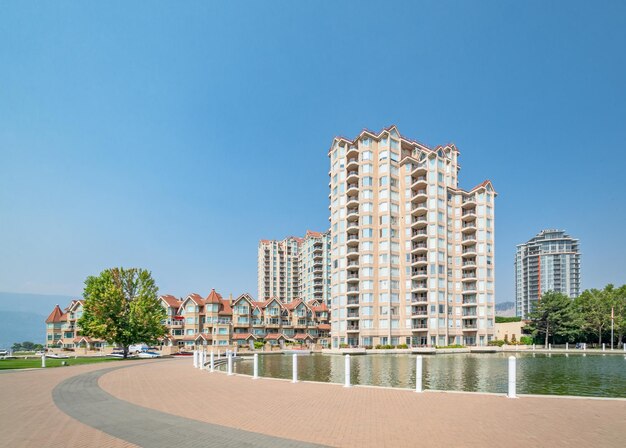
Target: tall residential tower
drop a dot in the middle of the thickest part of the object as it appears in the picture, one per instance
(412, 258)
(548, 262)
(295, 268)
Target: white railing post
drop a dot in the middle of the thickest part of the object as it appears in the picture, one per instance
(418, 373)
(195, 359)
(347, 372)
(549, 346)
(533, 347)
(623, 346)
(512, 377)
(43, 360)
(212, 359)
(230, 364)
(566, 346)
(294, 368)
(255, 371)
(603, 346)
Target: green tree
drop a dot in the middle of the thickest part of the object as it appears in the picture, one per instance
(618, 302)
(553, 315)
(122, 307)
(594, 307)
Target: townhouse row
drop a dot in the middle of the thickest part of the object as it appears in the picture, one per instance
(196, 321)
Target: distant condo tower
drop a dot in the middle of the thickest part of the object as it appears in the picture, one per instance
(548, 262)
(412, 258)
(295, 268)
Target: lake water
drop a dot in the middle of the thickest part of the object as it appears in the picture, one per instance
(591, 375)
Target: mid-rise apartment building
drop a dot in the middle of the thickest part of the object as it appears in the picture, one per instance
(548, 262)
(195, 321)
(413, 255)
(278, 269)
(295, 268)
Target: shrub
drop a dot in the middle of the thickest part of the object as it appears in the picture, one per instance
(503, 320)
(385, 347)
(402, 346)
(450, 346)
(368, 347)
(496, 343)
(526, 340)
(259, 344)
(344, 346)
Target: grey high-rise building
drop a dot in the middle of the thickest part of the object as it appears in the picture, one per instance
(548, 262)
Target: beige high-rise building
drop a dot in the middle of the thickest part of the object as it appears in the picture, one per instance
(412, 258)
(295, 268)
(277, 269)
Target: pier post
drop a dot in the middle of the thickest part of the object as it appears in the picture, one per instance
(294, 368)
(566, 346)
(512, 377)
(212, 359)
(549, 346)
(603, 346)
(255, 374)
(347, 371)
(418, 373)
(43, 360)
(230, 364)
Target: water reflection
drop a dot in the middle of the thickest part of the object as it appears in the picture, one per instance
(555, 374)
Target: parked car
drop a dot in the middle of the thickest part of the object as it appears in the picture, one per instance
(148, 355)
(57, 356)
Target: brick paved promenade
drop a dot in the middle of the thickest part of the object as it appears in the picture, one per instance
(307, 412)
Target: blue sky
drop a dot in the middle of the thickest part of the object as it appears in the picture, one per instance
(174, 136)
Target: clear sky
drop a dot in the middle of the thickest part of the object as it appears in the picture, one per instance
(173, 136)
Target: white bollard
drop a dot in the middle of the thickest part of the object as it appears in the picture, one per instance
(203, 364)
(195, 359)
(549, 346)
(533, 347)
(418, 373)
(347, 368)
(230, 364)
(294, 367)
(603, 346)
(512, 377)
(212, 366)
(623, 346)
(255, 371)
(585, 346)
(566, 346)
(43, 360)
(218, 354)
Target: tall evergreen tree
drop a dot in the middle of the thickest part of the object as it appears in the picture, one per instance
(594, 307)
(554, 315)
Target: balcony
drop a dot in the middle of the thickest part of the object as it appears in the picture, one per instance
(419, 311)
(353, 189)
(419, 195)
(419, 326)
(352, 200)
(419, 247)
(352, 240)
(419, 209)
(469, 325)
(418, 169)
(469, 214)
(418, 182)
(469, 251)
(352, 214)
(352, 228)
(469, 301)
(469, 264)
(469, 288)
(419, 273)
(469, 239)
(353, 263)
(469, 202)
(469, 276)
(418, 298)
(352, 252)
(353, 152)
(417, 261)
(353, 163)
(353, 176)
(353, 328)
(353, 278)
(353, 314)
(419, 222)
(419, 286)
(353, 301)
(353, 290)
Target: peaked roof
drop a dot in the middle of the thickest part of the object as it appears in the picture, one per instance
(55, 316)
(213, 297)
(171, 300)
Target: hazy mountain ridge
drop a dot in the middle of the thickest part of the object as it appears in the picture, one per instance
(22, 316)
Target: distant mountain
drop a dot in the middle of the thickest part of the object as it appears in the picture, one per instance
(505, 309)
(22, 316)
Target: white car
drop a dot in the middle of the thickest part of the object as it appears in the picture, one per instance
(148, 355)
(57, 356)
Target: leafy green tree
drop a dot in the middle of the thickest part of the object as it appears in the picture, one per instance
(594, 307)
(554, 315)
(26, 346)
(122, 307)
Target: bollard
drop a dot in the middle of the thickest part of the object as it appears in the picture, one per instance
(418, 373)
(603, 346)
(549, 346)
(43, 360)
(347, 371)
(203, 363)
(566, 346)
(212, 367)
(623, 346)
(218, 354)
(294, 366)
(195, 359)
(512, 379)
(230, 364)
(255, 374)
(585, 346)
(533, 347)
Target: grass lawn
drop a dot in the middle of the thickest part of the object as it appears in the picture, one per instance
(50, 362)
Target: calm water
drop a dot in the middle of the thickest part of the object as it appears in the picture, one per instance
(592, 375)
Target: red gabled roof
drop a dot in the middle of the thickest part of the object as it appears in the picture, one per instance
(243, 336)
(55, 316)
(293, 304)
(197, 298)
(323, 327)
(319, 308)
(313, 234)
(302, 336)
(225, 308)
(272, 336)
(171, 300)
